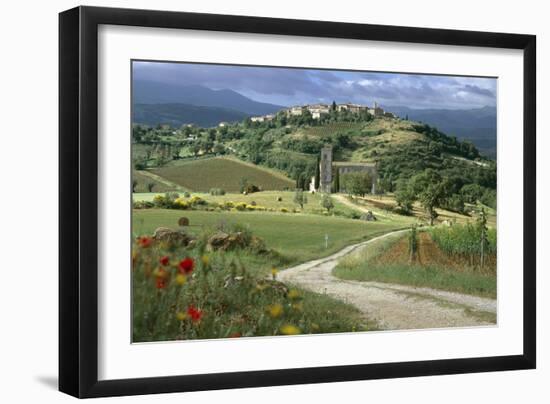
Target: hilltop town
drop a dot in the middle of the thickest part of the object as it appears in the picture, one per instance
(318, 110)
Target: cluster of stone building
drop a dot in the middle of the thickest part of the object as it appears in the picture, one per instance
(318, 110)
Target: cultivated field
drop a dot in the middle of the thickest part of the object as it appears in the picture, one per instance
(390, 261)
(218, 172)
(144, 179)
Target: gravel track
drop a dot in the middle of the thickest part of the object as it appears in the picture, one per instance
(392, 306)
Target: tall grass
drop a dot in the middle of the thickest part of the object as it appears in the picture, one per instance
(467, 241)
(189, 293)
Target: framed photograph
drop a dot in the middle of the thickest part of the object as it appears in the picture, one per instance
(251, 201)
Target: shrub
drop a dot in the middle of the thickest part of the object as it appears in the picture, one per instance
(246, 187)
(186, 194)
(284, 210)
(217, 191)
(162, 201)
(454, 203)
(471, 192)
(197, 200)
(181, 203)
(240, 206)
(300, 198)
(326, 202)
(140, 165)
(404, 196)
(251, 188)
(143, 204)
(356, 183)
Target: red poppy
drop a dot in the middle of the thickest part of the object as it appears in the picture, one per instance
(161, 283)
(186, 265)
(164, 260)
(144, 241)
(194, 313)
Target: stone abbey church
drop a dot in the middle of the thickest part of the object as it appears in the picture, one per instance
(328, 169)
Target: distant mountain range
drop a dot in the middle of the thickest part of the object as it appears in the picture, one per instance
(476, 125)
(177, 115)
(151, 92)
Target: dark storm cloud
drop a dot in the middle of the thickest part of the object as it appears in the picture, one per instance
(478, 90)
(287, 86)
(259, 79)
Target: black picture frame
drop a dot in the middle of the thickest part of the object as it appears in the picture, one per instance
(78, 196)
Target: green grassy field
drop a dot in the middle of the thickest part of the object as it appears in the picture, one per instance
(220, 172)
(298, 237)
(230, 291)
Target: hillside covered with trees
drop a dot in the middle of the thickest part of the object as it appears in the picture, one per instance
(415, 161)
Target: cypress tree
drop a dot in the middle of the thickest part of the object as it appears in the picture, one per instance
(317, 173)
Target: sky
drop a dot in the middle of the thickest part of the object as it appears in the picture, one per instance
(292, 86)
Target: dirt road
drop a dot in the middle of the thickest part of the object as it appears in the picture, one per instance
(392, 306)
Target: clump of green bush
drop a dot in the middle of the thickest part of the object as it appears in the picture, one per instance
(143, 205)
(217, 191)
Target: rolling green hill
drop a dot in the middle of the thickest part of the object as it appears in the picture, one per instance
(400, 148)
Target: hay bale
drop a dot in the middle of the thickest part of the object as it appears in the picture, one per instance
(183, 221)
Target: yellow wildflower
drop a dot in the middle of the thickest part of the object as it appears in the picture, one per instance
(275, 310)
(181, 315)
(205, 260)
(293, 294)
(274, 273)
(181, 279)
(289, 329)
